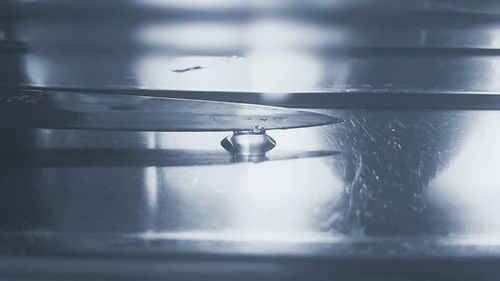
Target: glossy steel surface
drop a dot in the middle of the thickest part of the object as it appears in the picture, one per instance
(396, 172)
(405, 189)
(327, 46)
(94, 111)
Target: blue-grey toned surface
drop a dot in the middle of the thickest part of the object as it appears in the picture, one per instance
(407, 188)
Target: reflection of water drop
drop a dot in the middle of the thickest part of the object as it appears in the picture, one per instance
(263, 119)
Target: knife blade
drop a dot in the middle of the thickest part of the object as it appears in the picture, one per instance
(98, 111)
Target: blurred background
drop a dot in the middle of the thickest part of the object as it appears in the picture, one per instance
(413, 169)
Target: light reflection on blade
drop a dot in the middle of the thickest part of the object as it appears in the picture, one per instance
(68, 110)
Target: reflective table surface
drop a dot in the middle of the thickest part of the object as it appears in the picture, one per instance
(407, 188)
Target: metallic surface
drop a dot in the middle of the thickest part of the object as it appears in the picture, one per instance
(411, 192)
(328, 46)
(94, 111)
(397, 172)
